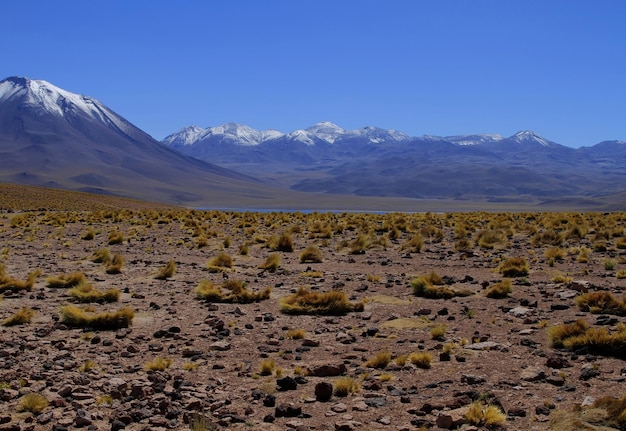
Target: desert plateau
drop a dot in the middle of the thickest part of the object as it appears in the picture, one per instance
(138, 317)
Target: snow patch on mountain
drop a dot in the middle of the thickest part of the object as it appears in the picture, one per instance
(528, 136)
(40, 94)
(326, 130)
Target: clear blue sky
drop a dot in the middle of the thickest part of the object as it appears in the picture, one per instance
(440, 67)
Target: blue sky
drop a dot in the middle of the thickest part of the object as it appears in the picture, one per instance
(439, 67)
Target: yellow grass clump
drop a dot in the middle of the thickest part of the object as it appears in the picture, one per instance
(485, 415)
(10, 283)
(311, 254)
(420, 359)
(33, 403)
(329, 303)
(115, 266)
(514, 267)
(379, 360)
(74, 316)
(167, 271)
(24, 315)
(158, 364)
(65, 281)
(272, 262)
(500, 290)
(232, 291)
(344, 386)
(601, 302)
(221, 262)
(431, 286)
(85, 292)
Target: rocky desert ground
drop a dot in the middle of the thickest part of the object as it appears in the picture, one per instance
(437, 321)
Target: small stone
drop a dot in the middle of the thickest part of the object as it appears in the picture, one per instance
(286, 384)
(323, 391)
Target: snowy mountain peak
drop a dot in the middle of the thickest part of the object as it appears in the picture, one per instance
(41, 95)
(326, 130)
(528, 136)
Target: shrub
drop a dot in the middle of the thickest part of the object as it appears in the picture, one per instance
(24, 315)
(102, 255)
(76, 317)
(33, 403)
(601, 302)
(167, 271)
(9, 283)
(330, 303)
(235, 292)
(158, 364)
(500, 290)
(220, 262)
(272, 262)
(311, 254)
(420, 359)
(514, 267)
(344, 386)
(609, 264)
(599, 342)
(115, 267)
(379, 360)
(485, 415)
(85, 292)
(65, 281)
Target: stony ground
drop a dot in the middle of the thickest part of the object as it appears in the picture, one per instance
(494, 350)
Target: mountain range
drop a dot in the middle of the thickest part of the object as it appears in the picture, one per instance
(376, 162)
(54, 138)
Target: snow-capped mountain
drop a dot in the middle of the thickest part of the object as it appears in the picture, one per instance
(52, 137)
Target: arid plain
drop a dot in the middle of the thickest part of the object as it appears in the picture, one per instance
(191, 319)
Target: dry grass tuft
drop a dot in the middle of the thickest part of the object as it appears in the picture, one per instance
(102, 255)
(33, 403)
(167, 271)
(514, 267)
(601, 302)
(85, 292)
(329, 303)
(379, 360)
(24, 315)
(158, 364)
(430, 287)
(9, 283)
(115, 266)
(74, 316)
(272, 262)
(65, 281)
(420, 359)
(311, 254)
(344, 386)
(485, 415)
(500, 290)
(232, 291)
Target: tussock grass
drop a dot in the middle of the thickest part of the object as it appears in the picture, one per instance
(420, 359)
(311, 254)
(102, 255)
(344, 386)
(115, 266)
(65, 281)
(158, 364)
(578, 336)
(9, 283)
(116, 237)
(514, 267)
(490, 239)
(413, 244)
(601, 302)
(33, 403)
(24, 315)
(329, 303)
(283, 243)
(379, 360)
(167, 271)
(219, 263)
(74, 316)
(232, 291)
(437, 332)
(272, 262)
(500, 290)
(296, 334)
(266, 367)
(85, 293)
(429, 286)
(485, 415)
